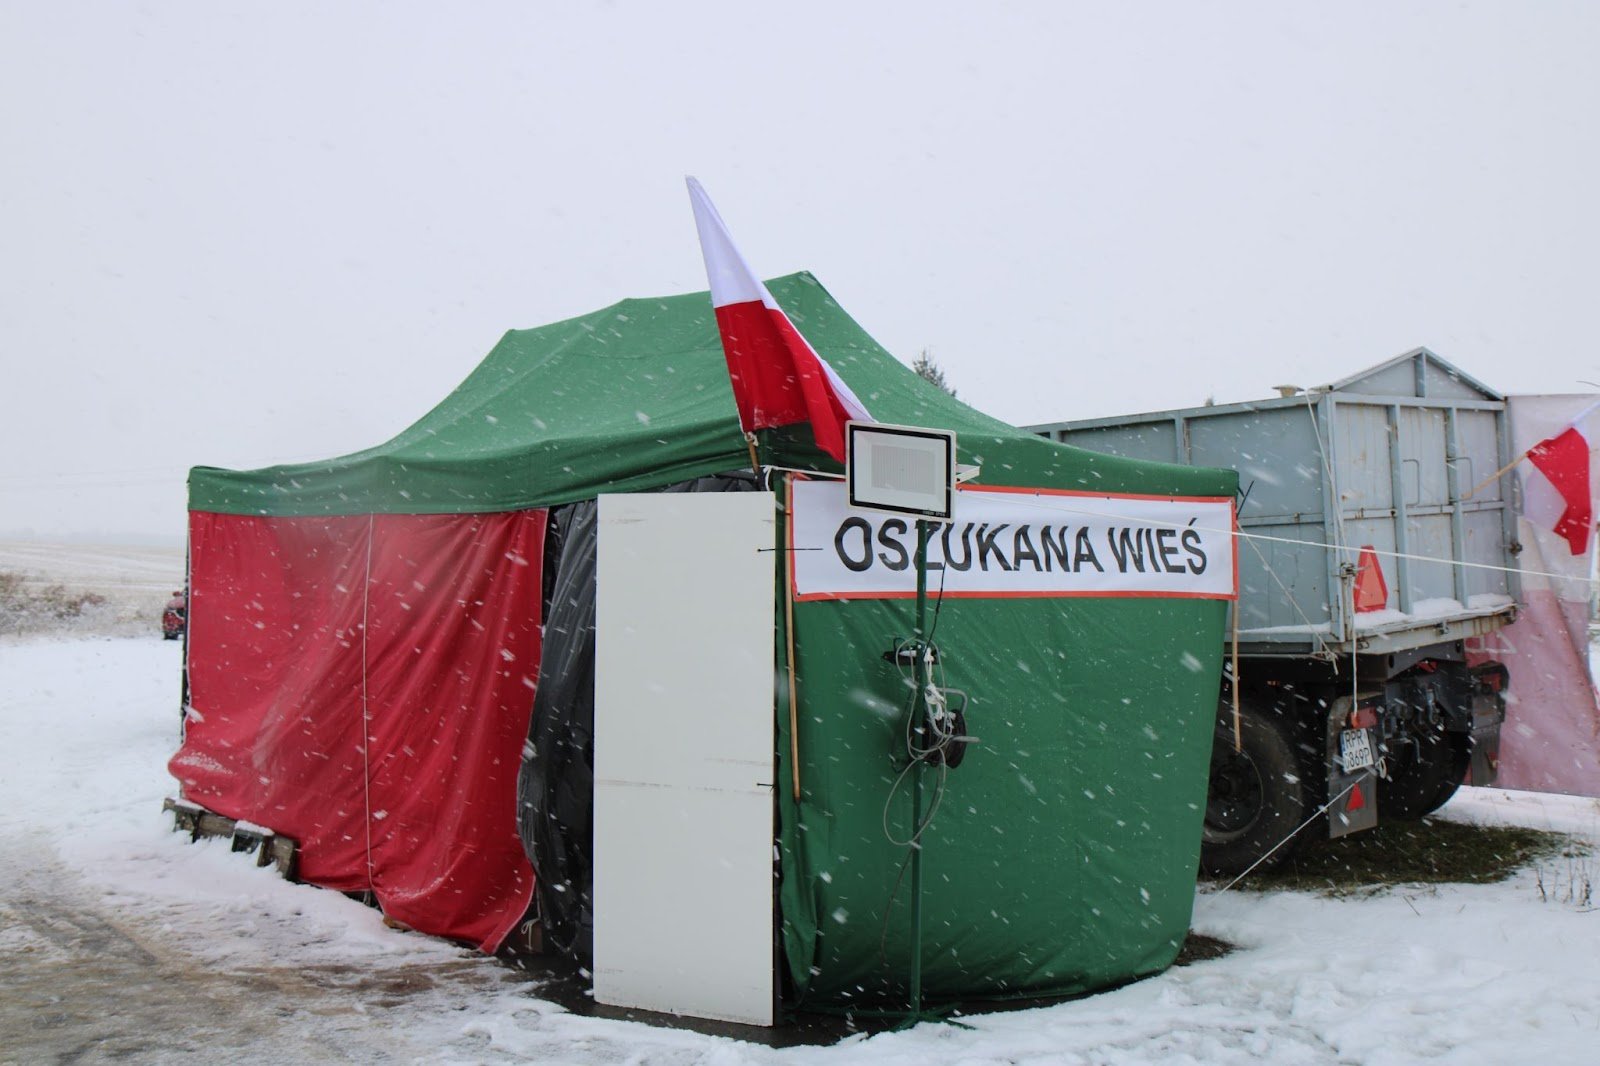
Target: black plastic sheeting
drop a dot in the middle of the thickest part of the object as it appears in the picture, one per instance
(555, 789)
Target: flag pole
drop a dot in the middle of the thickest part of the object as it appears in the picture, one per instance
(755, 463)
(919, 714)
(1498, 473)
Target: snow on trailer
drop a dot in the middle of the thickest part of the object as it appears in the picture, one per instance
(1376, 539)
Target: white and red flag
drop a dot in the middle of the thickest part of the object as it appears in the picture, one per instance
(778, 378)
(1560, 495)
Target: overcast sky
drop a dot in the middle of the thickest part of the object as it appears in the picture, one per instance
(244, 234)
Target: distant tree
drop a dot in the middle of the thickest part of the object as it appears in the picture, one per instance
(931, 372)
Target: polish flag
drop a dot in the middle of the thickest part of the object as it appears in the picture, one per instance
(778, 378)
(1559, 496)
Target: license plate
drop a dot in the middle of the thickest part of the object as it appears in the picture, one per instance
(1355, 750)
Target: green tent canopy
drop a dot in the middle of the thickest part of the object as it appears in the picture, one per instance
(632, 397)
(1063, 851)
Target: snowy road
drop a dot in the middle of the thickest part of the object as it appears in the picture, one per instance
(90, 980)
(121, 942)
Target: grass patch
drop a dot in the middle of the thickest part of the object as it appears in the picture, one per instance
(1568, 879)
(28, 609)
(1426, 852)
(1197, 947)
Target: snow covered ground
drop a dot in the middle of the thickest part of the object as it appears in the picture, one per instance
(121, 940)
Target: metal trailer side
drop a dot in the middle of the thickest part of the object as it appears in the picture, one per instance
(1345, 713)
(1387, 458)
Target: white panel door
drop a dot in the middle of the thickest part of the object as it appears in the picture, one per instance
(684, 754)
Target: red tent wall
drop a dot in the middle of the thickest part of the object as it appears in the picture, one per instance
(426, 628)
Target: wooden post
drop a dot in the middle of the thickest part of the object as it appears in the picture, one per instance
(788, 634)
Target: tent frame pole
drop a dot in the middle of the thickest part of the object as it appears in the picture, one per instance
(919, 711)
(788, 633)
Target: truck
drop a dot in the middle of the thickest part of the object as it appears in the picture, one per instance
(1376, 539)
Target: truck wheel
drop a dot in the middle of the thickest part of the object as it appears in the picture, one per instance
(1426, 777)
(1256, 797)
(1461, 761)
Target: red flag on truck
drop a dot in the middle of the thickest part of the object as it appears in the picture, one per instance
(778, 378)
(1559, 496)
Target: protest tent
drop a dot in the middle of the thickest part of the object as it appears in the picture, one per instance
(368, 640)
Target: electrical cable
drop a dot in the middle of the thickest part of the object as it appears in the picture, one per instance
(938, 603)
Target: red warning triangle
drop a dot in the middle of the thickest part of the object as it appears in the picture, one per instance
(1358, 799)
(1372, 591)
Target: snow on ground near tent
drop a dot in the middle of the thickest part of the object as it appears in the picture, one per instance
(123, 940)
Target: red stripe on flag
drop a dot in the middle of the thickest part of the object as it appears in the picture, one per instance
(778, 379)
(1564, 461)
(765, 385)
(827, 409)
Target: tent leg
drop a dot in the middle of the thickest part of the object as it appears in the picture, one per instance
(919, 710)
(788, 632)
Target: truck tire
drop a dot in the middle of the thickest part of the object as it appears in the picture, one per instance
(1257, 795)
(1461, 762)
(1426, 777)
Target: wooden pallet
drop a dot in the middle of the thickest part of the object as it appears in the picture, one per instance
(268, 847)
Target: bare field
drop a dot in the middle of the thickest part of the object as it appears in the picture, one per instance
(134, 581)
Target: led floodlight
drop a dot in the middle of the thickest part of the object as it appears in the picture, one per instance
(900, 469)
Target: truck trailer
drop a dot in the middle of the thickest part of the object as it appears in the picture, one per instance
(1376, 539)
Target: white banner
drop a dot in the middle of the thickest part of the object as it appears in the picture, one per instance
(1016, 542)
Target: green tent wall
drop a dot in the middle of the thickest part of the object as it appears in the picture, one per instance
(1063, 852)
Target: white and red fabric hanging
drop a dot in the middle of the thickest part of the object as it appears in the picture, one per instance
(778, 377)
